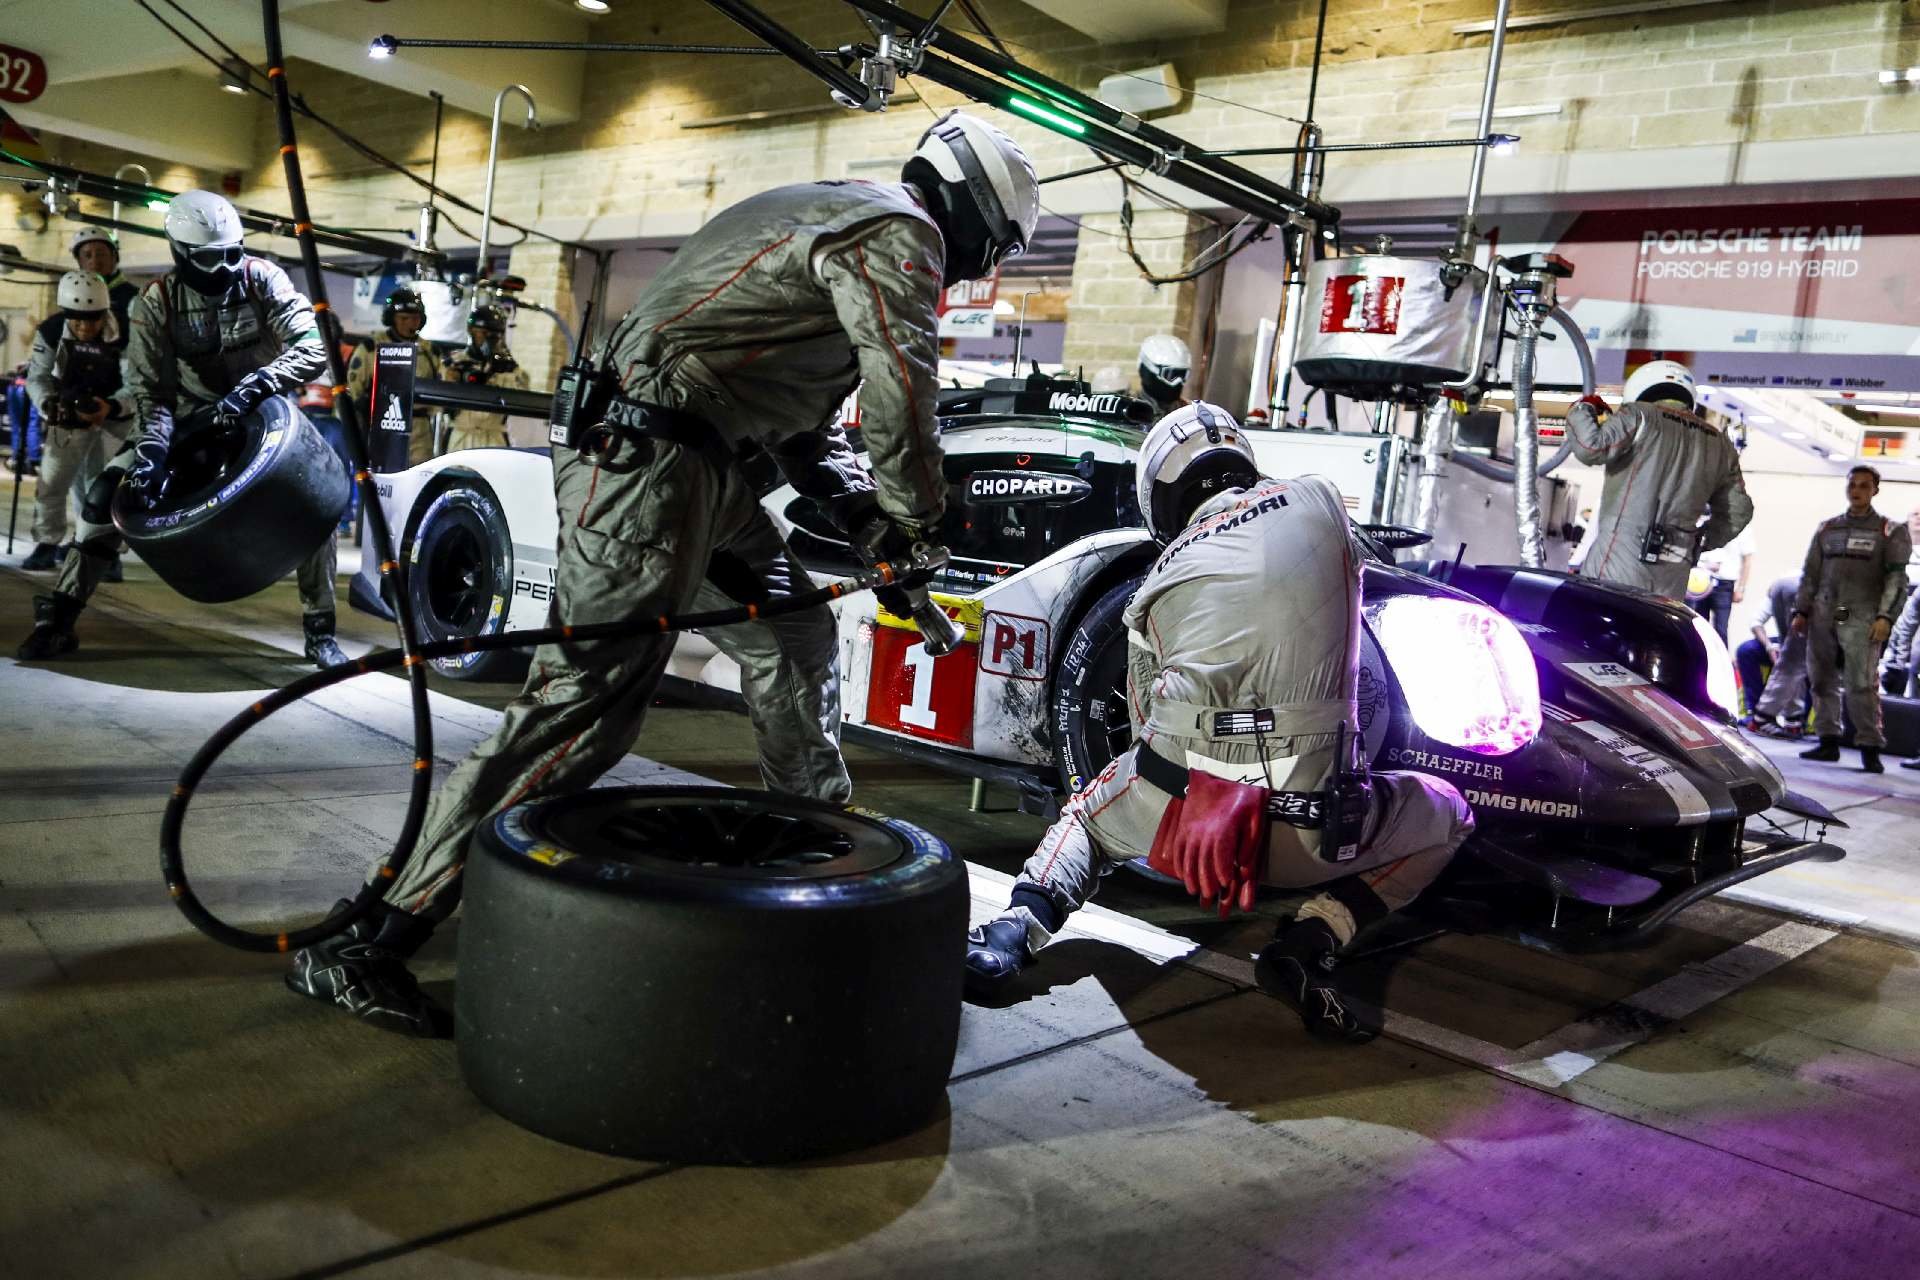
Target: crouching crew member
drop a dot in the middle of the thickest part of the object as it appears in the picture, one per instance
(484, 361)
(1243, 648)
(210, 341)
(1664, 465)
(73, 379)
(753, 335)
(1850, 592)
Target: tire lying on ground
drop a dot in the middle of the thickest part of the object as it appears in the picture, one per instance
(708, 975)
(459, 577)
(238, 518)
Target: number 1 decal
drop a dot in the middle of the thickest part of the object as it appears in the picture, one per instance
(919, 712)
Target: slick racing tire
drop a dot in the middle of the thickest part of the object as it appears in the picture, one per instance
(1091, 724)
(459, 579)
(240, 516)
(709, 975)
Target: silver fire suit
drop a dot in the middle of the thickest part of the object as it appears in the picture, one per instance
(1903, 646)
(1663, 468)
(1256, 604)
(1855, 571)
(759, 327)
(186, 350)
(73, 453)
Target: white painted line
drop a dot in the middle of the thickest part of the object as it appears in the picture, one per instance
(1549, 1062)
(1581, 1046)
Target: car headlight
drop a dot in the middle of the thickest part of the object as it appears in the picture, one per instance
(1721, 687)
(1467, 673)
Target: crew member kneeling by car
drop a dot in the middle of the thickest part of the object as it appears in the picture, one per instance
(208, 343)
(1242, 669)
(753, 335)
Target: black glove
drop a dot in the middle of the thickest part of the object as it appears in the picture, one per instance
(853, 511)
(881, 538)
(147, 477)
(242, 400)
(1893, 680)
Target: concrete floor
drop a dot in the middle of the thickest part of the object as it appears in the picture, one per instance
(1738, 1099)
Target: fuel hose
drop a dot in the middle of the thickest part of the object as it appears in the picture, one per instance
(411, 656)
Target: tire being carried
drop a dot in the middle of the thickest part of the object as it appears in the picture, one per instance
(709, 975)
(239, 515)
(460, 578)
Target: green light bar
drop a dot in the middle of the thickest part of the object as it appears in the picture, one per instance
(158, 204)
(1027, 107)
(1040, 89)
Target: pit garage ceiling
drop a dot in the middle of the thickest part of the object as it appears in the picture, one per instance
(118, 78)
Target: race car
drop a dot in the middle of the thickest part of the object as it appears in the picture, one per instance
(1587, 725)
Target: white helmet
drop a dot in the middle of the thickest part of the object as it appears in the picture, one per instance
(981, 189)
(92, 235)
(1108, 379)
(82, 293)
(204, 232)
(1194, 452)
(1164, 363)
(1661, 380)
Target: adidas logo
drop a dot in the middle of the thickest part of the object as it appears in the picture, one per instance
(392, 420)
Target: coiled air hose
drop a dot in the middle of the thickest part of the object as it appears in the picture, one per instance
(411, 656)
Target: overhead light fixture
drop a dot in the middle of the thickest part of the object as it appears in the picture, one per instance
(235, 76)
(1763, 419)
(382, 47)
(1793, 435)
(591, 6)
(1902, 410)
(1895, 76)
(1503, 144)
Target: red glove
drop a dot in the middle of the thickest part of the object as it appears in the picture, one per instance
(1214, 840)
(1595, 403)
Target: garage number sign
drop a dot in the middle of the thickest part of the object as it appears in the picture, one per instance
(23, 75)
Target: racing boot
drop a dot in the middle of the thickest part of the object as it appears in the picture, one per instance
(53, 618)
(41, 558)
(996, 953)
(364, 972)
(322, 652)
(1297, 967)
(1870, 760)
(1828, 751)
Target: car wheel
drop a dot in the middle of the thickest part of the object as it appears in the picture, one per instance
(460, 579)
(239, 515)
(1091, 724)
(709, 975)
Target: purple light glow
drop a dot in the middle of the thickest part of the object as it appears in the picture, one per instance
(1467, 672)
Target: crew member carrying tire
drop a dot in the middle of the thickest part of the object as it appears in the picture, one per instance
(73, 379)
(1243, 652)
(210, 341)
(753, 335)
(402, 316)
(1664, 465)
(486, 361)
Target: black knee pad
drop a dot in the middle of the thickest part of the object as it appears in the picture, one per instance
(96, 507)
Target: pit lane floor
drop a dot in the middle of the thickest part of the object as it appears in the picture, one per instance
(1740, 1096)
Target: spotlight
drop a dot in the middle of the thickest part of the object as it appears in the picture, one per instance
(1503, 144)
(235, 77)
(382, 47)
(592, 6)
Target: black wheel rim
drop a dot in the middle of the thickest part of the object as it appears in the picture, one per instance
(755, 836)
(459, 580)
